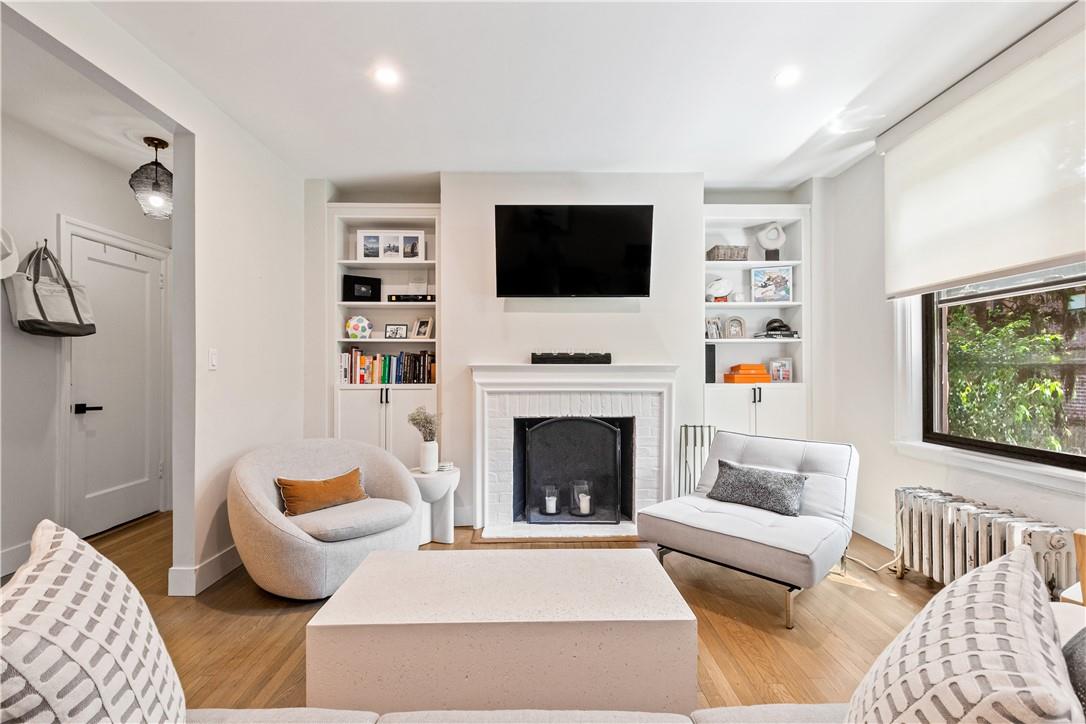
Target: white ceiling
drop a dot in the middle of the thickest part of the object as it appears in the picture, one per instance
(573, 87)
(44, 92)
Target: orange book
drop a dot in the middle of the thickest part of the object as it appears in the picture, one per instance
(748, 369)
(746, 378)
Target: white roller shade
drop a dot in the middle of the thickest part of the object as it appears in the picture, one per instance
(995, 185)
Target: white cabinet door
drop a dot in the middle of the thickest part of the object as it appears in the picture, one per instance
(730, 407)
(401, 439)
(782, 411)
(360, 415)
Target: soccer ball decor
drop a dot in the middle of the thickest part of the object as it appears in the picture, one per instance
(359, 328)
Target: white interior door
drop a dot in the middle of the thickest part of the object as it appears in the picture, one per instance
(730, 407)
(116, 460)
(782, 411)
(401, 438)
(360, 415)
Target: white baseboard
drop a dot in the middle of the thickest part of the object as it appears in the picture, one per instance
(13, 557)
(882, 532)
(190, 580)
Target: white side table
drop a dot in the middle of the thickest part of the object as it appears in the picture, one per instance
(437, 504)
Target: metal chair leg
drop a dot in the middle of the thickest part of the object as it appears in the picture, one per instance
(789, 605)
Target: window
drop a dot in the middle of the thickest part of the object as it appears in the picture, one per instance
(1005, 367)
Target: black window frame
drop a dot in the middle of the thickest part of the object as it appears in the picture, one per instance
(930, 435)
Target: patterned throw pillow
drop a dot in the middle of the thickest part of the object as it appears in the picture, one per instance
(985, 648)
(759, 488)
(79, 644)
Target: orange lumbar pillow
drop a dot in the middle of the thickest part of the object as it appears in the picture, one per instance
(305, 496)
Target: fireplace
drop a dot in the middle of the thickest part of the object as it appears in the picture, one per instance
(573, 469)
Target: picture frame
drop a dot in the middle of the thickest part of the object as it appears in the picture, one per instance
(735, 328)
(361, 289)
(414, 245)
(396, 331)
(769, 284)
(423, 328)
(368, 245)
(391, 245)
(780, 369)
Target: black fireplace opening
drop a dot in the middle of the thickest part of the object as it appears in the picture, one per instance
(573, 469)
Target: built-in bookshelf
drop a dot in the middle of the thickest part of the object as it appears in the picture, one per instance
(376, 381)
(778, 404)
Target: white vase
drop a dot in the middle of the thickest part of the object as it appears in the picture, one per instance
(428, 456)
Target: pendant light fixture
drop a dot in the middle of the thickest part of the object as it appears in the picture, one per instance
(153, 184)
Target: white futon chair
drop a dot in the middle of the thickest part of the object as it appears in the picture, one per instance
(795, 552)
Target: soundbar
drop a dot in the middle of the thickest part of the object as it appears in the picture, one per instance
(571, 358)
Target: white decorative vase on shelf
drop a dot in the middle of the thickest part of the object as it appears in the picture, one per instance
(428, 456)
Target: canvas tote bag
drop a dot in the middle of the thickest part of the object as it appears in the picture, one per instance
(52, 305)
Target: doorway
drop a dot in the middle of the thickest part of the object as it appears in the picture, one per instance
(114, 402)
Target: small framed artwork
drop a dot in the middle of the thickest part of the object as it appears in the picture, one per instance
(713, 329)
(780, 369)
(414, 245)
(423, 328)
(395, 331)
(735, 328)
(771, 284)
(368, 245)
(391, 247)
(361, 289)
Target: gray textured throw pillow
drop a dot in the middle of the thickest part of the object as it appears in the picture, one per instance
(759, 488)
(1074, 653)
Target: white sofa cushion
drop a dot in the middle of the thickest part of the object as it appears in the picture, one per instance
(830, 468)
(306, 715)
(772, 714)
(984, 648)
(79, 643)
(354, 520)
(798, 550)
(531, 716)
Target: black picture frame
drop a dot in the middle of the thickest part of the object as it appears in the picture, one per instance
(361, 289)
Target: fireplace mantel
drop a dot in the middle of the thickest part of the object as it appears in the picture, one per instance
(505, 391)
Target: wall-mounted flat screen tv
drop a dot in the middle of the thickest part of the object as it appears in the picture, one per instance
(573, 251)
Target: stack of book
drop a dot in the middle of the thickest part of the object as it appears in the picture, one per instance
(405, 368)
(747, 373)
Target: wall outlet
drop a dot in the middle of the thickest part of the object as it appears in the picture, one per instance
(212, 359)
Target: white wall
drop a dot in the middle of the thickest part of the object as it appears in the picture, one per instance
(246, 237)
(477, 327)
(43, 177)
(861, 376)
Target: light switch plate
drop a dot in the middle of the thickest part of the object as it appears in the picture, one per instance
(212, 359)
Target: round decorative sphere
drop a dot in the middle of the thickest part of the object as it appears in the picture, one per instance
(359, 328)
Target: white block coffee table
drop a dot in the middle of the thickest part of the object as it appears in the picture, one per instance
(504, 629)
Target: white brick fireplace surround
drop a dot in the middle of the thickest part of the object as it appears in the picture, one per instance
(645, 392)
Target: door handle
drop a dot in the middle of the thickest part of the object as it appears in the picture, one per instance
(82, 408)
(754, 395)
(759, 395)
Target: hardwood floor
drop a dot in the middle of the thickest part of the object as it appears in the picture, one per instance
(236, 646)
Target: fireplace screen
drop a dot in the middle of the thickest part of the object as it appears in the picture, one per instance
(572, 471)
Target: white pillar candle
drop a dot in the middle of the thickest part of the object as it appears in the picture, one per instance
(551, 503)
(586, 504)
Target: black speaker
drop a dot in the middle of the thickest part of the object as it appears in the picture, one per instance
(710, 363)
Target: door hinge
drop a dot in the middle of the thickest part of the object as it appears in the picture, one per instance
(161, 470)
(161, 280)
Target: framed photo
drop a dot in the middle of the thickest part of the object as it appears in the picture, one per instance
(361, 289)
(368, 245)
(395, 331)
(414, 245)
(423, 328)
(771, 284)
(735, 328)
(780, 369)
(391, 247)
(713, 329)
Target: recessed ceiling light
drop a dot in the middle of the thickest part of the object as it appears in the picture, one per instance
(386, 76)
(789, 75)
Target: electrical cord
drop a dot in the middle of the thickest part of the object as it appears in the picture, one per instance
(898, 548)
